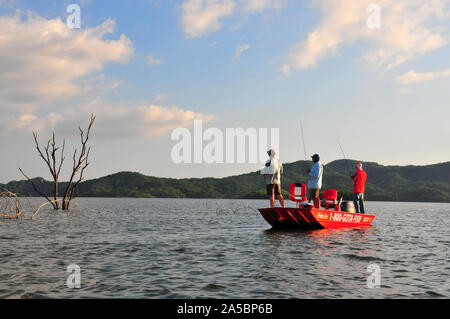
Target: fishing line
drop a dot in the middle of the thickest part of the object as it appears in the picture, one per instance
(345, 158)
(303, 138)
(347, 164)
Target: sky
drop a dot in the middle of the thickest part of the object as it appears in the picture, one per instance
(373, 75)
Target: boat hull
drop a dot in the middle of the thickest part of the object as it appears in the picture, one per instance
(311, 218)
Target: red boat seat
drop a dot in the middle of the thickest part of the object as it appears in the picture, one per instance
(330, 198)
(297, 193)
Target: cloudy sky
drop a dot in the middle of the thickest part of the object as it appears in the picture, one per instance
(146, 67)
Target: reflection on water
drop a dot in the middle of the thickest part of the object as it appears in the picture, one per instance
(154, 248)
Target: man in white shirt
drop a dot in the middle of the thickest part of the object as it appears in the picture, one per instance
(272, 172)
(315, 181)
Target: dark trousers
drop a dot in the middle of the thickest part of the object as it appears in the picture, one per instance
(314, 195)
(358, 200)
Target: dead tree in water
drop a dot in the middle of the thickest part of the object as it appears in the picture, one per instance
(12, 208)
(80, 162)
(50, 159)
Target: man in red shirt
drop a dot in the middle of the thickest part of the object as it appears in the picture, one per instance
(360, 180)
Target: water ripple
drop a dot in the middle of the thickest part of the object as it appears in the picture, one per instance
(153, 248)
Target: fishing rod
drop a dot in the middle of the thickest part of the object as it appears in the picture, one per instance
(347, 164)
(345, 158)
(303, 138)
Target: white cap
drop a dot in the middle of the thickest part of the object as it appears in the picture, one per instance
(272, 152)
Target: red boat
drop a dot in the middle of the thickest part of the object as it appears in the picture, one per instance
(312, 218)
(305, 216)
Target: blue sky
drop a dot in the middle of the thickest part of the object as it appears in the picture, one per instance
(382, 91)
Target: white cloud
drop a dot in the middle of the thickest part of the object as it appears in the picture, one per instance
(200, 17)
(261, 5)
(160, 97)
(154, 61)
(43, 60)
(99, 83)
(114, 120)
(408, 30)
(239, 50)
(418, 77)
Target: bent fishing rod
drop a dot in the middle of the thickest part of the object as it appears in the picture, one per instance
(345, 158)
(303, 138)
(347, 164)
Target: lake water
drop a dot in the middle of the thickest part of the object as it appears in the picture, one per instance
(160, 248)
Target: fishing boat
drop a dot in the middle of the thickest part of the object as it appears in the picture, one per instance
(305, 216)
(312, 218)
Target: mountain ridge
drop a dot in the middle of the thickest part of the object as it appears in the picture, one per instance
(429, 183)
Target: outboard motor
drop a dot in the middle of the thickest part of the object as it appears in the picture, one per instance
(348, 207)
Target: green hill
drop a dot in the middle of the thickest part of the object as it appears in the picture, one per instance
(429, 183)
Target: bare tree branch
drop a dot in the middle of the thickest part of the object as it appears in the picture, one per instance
(80, 163)
(46, 160)
(36, 189)
(62, 158)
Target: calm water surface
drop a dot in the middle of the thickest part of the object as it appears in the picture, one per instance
(159, 248)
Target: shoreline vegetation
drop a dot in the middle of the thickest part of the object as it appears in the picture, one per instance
(430, 183)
